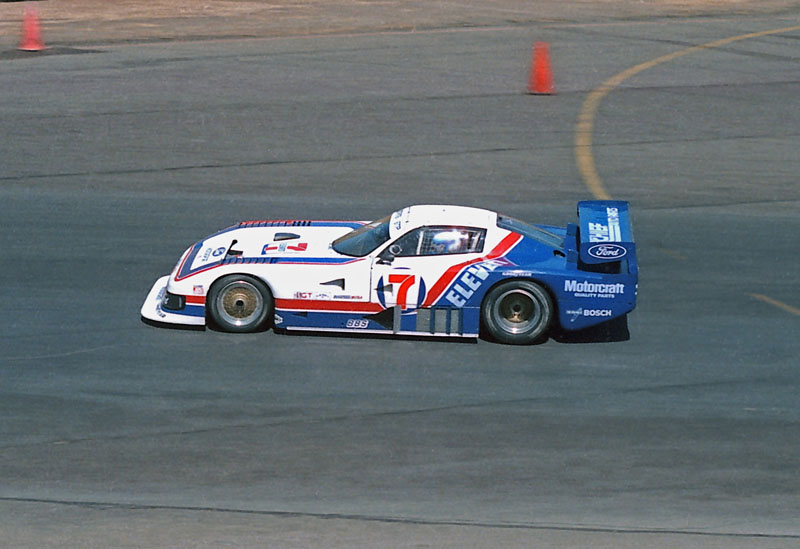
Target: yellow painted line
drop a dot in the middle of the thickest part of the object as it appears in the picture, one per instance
(776, 303)
(586, 118)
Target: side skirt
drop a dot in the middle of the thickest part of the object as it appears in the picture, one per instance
(378, 332)
(437, 322)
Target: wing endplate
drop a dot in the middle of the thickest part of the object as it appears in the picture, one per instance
(605, 231)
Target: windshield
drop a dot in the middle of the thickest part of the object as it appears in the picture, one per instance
(363, 240)
(531, 231)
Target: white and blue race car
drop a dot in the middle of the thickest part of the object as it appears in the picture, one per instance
(423, 270)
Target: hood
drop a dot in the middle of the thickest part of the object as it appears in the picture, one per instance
(264, 241)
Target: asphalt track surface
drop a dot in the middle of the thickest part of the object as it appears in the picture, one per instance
(115, 160)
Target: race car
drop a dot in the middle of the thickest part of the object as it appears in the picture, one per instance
(426, 270)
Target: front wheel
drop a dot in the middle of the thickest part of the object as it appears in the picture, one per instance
(517, 312)
(239, 303)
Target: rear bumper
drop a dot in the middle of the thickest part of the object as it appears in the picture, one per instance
(152, 309)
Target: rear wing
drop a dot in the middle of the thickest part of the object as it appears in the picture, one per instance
(604, 232)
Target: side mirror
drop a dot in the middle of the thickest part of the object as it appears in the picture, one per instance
(388, 255)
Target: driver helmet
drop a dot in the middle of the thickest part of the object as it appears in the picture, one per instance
(448, 242)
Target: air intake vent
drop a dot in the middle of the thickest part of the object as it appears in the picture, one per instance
(440, 321)
(275, 223)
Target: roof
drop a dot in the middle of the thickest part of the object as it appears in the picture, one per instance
(440, 214)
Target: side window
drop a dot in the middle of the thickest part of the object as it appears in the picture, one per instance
(428, 241)
(407, 245)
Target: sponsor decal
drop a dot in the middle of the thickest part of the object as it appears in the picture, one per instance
(349, 297)
(358, 323)
(198, 289)
(577, 313)
(397, 220)
(607, 251)
(517, 272)
(470, 281)
(284, 247)
(599, 232)
(313, 295)
(197, 260)
(583, 288)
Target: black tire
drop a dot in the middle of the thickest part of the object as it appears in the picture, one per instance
(240, 303)
(517, 312)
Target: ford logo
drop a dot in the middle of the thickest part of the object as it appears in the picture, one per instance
(607, 251)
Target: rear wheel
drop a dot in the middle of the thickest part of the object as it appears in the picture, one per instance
(517, 312)
(239, 303)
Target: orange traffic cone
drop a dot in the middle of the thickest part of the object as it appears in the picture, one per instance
(31, 33)
(541, 78)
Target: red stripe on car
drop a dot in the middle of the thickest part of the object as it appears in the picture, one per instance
(450, 274)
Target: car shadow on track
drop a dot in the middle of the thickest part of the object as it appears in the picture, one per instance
(356, 335)
(612, 331)
(179, 327)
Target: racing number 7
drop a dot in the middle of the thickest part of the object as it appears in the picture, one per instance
(405, 281)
